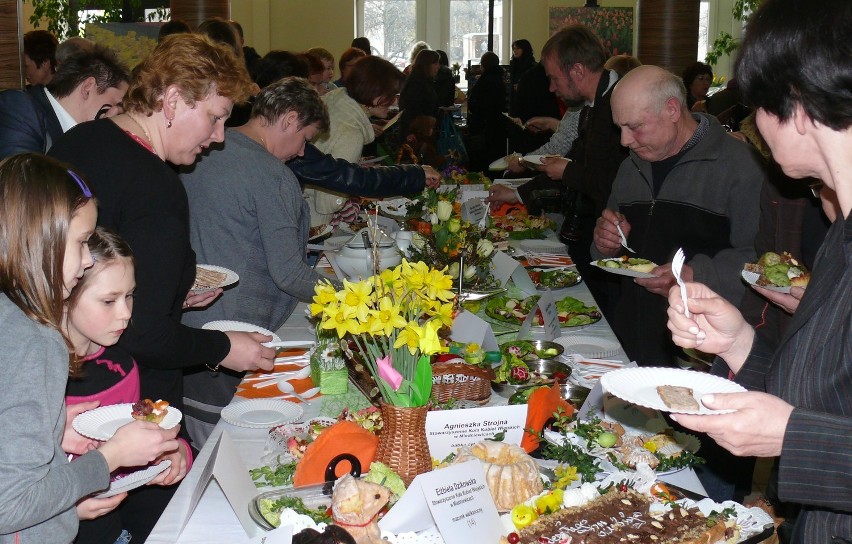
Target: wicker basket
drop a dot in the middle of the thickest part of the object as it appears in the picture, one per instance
(402, 442)
(461, 381)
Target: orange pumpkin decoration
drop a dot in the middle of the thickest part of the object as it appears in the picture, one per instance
(342, 437)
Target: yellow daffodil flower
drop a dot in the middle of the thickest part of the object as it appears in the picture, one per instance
(444, 314)
(387, 318)
(409, 336)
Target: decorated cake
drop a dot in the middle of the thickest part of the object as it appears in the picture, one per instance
(511, 474)
(624, 516)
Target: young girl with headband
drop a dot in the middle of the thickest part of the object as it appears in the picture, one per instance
(96, 314)
(47, 214)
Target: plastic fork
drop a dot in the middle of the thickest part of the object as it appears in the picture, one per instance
(623, 237)
(677, 266)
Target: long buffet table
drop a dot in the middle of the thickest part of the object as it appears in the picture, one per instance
(213, 520)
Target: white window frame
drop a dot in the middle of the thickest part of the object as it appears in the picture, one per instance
(433, 24)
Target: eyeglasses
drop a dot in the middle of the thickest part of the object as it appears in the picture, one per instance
(83, 187)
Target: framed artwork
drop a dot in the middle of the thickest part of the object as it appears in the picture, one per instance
(131, 41)
(614, 26)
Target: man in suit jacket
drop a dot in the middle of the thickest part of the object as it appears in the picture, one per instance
(86, 86)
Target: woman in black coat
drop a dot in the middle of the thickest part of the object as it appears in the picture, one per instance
(485, 121)
(418, 96)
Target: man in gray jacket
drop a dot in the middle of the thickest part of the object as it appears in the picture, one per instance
(685, 184)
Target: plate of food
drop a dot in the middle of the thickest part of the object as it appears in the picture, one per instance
(627, 266)
(319, 233)
(554, 278)
(101, 423)
(668, 389)
(394, 207)
(209, 277)
(618, 448)
(514, 311)
(519, 226)
(239, 326)
(776, 272)
(121, 482)
(261, 413)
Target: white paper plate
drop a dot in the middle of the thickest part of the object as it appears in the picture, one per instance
(639, 386)
(336, 242)
(261, 413)
(589, 346)
(133, 480)
(239, 326)
(231, 277)
(394, 207)
(101, 423)
(752, 277)
(324, 231)
(543, 246)
(622, 271)
(500, 164)
(535, 160)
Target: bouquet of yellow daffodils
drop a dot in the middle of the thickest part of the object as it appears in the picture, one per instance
(394, 319)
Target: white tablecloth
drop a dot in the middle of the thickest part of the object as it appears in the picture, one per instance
(213, 521)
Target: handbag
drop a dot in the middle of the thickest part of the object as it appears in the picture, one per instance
(450, 143)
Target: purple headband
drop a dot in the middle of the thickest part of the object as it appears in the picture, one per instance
(83, 187)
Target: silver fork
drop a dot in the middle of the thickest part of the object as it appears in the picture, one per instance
(677, 266)
(623, 238)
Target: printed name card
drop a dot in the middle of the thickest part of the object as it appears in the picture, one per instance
(547, 305)
(469, 328)
(448, 430)
(455, 498)
(473, 210)
(461, 504)
(504, 267)
(225, 466)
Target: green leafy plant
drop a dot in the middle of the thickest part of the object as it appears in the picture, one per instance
(63, 18)
(725, 43)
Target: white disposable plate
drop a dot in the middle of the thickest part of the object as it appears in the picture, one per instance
(639, 386)
(589, 346)
(231, 277)
(126, 482)
(239, 326)
(101, 423)
(543, 246)
(536, 160)
(261, 413)
(394, 207)
(500, 164)
(752, 277)
(325, 230)
(622, 271)
(336, 242)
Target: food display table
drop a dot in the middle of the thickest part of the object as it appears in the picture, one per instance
(213, 521)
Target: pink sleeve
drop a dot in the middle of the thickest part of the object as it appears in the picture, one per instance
(189, 458)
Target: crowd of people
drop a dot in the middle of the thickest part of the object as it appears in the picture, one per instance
(114, 184)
